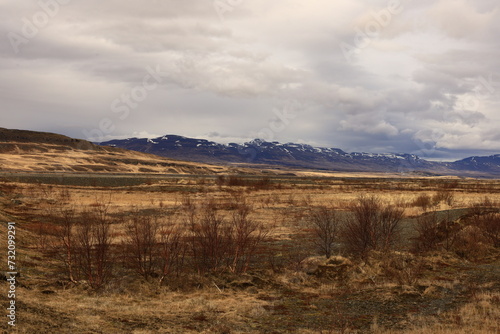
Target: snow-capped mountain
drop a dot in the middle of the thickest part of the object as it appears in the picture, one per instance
(490, 164)
(300, 156)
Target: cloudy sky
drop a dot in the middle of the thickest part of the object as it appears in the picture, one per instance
(362, 75)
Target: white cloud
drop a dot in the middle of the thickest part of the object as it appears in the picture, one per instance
(417, 81)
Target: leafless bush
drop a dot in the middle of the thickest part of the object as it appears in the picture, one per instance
(388, 229)
(326, 227)
(487, 202)
(66, 238)
(64, 195)
(447, 230)
(372, 226)
(405, 270)
(490, 224)
(210, 238)
(187, 203)
(94, 246)
(291, 200)
(43, 231)
(57, 238)
(247, 235)
(423, 201)
(485, 205)
(427, 237)
(487, 218)
(444, 196)
(471, 243)
(141, 242)
(471, 236)
(172, 250)
(154, 248)
(46, 190)
(238, 181)
(218, 244)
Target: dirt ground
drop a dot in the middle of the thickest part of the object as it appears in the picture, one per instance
(284, 290)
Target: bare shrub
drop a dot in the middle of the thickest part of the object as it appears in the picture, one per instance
(247, 235)
(403, 268)
(94, 246)
(490, 224)
(64, 195)
(372, 226)
(219, 244)
(291, 200)
(471, 243)
(43, 232)
(66, 237)
(141, 241)
(238, 181)
(58, 239)
(172, 250)
(210, 238)
(443, 196)
(486, 216)
(187, 203)
(263, 183)
(423, 201)
(447, 230)
(427, 237)
(326, 226)
(388, 229)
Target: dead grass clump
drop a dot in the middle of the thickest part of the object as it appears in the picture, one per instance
(263, 183)
(472, 243)
(489, 224)
(443, 196)
(423, 201)
(403, 268)
(481, 316)
(337, 268)
(292, 279)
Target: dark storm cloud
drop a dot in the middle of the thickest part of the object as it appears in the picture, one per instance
(417, 77)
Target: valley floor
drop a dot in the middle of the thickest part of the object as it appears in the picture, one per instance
(288, 287)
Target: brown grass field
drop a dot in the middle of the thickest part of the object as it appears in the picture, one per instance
(281, 283)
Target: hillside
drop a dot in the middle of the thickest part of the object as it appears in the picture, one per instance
(22, 150)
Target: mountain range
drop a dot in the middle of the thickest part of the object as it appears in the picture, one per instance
(292, 155)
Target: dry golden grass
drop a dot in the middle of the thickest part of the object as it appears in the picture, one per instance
(289, 300)
(44, 157)
(481, 316)
(155, 310)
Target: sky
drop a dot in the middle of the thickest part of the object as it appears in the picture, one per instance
(375, 76)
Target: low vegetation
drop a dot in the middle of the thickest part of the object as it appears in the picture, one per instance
(245, 254)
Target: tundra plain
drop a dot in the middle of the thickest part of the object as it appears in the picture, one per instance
(239, 253)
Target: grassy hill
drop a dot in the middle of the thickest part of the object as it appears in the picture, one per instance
(31, 151)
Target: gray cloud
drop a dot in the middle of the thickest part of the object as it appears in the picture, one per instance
(424, 79)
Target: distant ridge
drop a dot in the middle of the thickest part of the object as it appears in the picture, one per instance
(259, 152)
(32, 151)
(33, 137)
